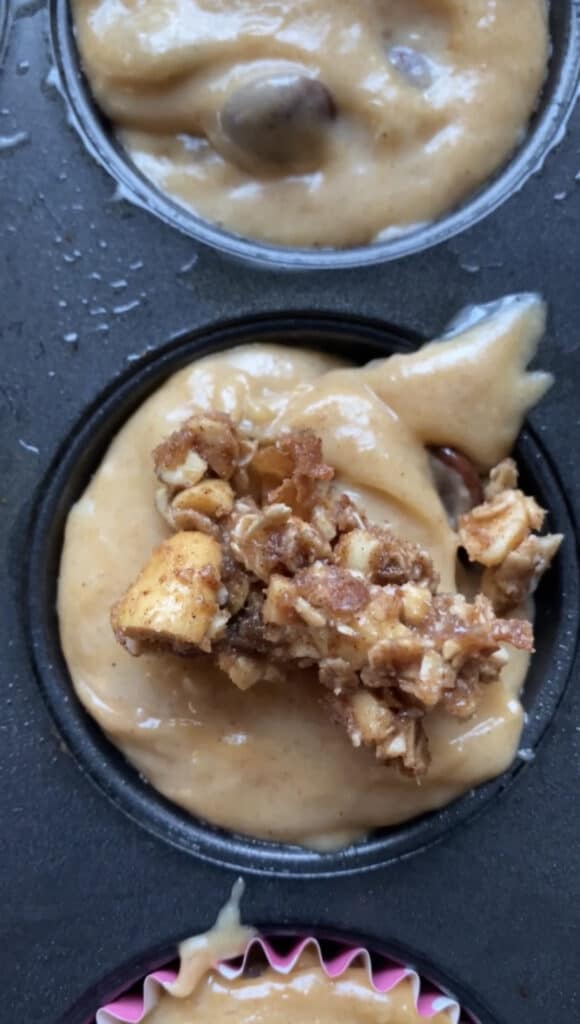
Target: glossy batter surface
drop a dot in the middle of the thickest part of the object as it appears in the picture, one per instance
(268, 761)
(305, 996)
(303, 992)
(427, 98)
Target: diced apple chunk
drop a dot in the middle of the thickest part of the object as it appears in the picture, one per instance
(174, 599)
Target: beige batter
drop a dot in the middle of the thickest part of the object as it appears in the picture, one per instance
(422, 101)
(268, 761)
(305, 996)
(202, 994)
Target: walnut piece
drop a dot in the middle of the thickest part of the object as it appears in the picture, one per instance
(508, 585)
(384, 558)
(396, 737)
(273, 539)
(273, 569)
(206, 440)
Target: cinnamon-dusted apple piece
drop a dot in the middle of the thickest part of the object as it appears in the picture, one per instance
(173, 603)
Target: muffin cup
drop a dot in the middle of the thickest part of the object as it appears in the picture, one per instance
(385, 975)
(557, 604)
(543, 134)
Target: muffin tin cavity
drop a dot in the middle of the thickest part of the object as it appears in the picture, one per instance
(555, 623)
(545, 131)
(120, 996)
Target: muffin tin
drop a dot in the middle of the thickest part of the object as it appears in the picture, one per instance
(101, 299)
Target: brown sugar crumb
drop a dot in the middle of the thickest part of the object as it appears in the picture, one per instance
(438, 656)
(273, 569)
(397, 736)
(291, 471)
(384, 558)
(208, 441)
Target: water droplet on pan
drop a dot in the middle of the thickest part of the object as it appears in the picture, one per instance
(527, 755)
(133, 357)
(126, 307)
(28, 447)
(8, 143)
(51, 82)
(186, 267)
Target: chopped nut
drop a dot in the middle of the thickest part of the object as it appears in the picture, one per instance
(356, 551)
(338, 675)
(311, 616)
(396, 738)
(508, 585)
(499, 534)
(182, 473)
(503, 477)
(417, 604)
(213, 498)
(205, 440)
(274, 540)
(384, 558)
(245, 672)
(278, 609)
(490, 531)
(435, 676)
(358, 640)
(291, 470)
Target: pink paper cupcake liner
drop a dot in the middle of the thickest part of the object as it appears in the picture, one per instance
(132, 1008)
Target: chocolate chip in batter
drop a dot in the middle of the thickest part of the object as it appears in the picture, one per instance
(413, 65)
(280, 121)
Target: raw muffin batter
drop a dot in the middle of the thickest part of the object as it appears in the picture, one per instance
(316, 123)
(203, 993)
(268, 761)
(306, 994)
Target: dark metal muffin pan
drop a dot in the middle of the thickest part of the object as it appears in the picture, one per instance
(98, 294)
